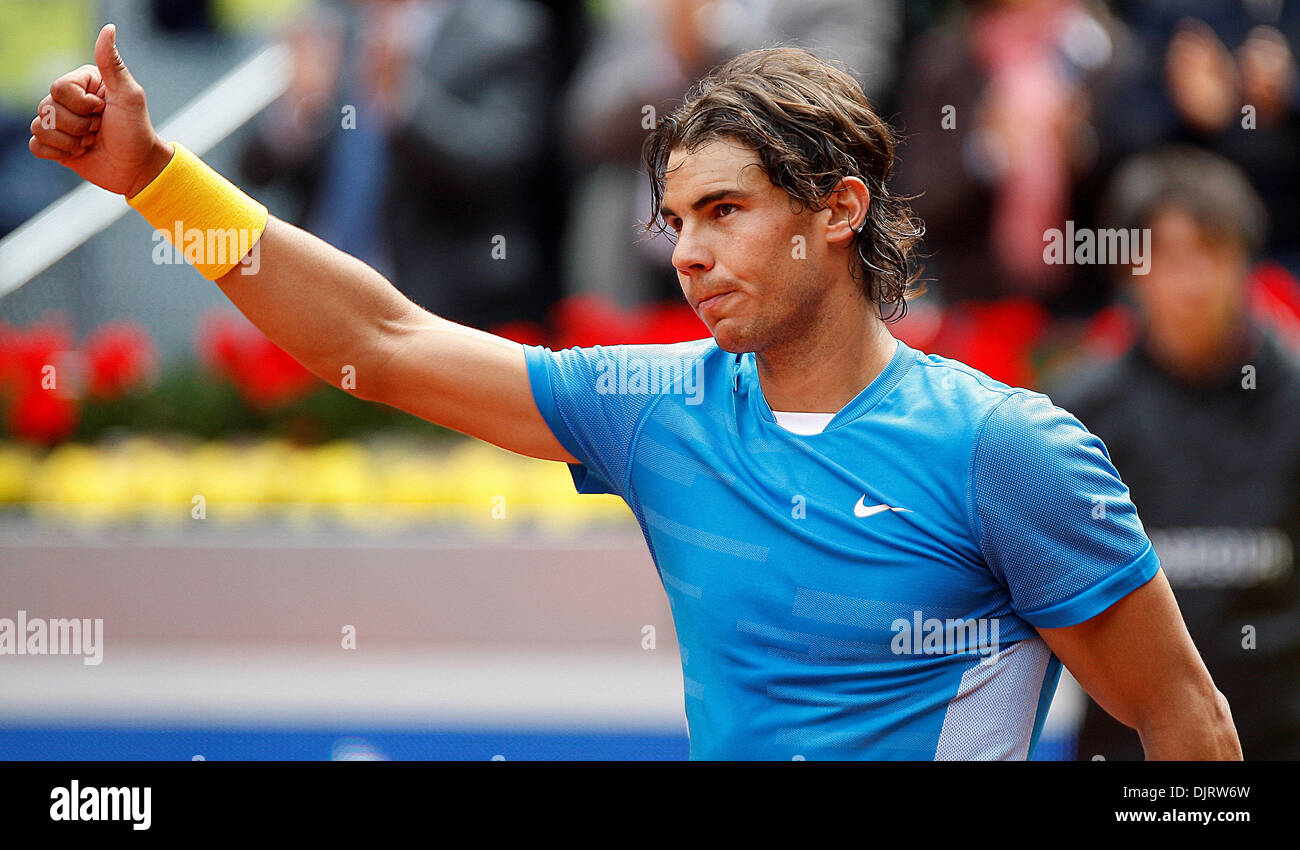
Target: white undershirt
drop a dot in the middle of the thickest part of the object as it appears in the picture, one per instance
(803, 423)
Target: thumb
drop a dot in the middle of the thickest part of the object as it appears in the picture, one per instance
(111, 67)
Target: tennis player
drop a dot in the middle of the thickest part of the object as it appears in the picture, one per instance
(869, 552)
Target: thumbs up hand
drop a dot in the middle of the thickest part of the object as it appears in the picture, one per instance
(95, 122)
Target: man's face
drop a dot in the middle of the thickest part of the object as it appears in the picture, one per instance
(1195, 289)
(738, 234)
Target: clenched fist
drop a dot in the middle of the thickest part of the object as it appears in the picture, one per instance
(94, 121)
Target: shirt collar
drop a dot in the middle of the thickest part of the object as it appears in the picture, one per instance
(746, 384)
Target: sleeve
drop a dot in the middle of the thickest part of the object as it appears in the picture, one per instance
(576, 390)
(1054, 520)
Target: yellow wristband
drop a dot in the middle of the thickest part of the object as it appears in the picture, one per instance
(212, 223)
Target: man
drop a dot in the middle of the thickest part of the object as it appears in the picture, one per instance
(806, 573)
(1201, 414)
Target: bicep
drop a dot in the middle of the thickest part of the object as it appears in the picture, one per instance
(464, 379)
(1136, 658)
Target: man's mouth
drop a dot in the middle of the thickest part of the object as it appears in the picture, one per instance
(714, 300)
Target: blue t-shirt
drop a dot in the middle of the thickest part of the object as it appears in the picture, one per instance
(870, 591)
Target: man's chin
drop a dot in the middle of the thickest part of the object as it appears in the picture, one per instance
(731, 342)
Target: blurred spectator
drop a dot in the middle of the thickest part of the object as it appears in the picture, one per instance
(414, 132)
(997, 109)
(182, 15)
(1220, 74)
(1199, 417)
(643, 56)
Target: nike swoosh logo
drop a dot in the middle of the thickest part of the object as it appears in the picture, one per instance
(861, 509)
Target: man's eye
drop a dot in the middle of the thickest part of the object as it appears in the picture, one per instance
(728, 207)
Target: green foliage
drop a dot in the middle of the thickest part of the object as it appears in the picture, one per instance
(192, 401)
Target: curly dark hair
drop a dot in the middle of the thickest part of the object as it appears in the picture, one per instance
(810, 124)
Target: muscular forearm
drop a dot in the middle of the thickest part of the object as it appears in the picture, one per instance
(327, 309)
(1201, 730)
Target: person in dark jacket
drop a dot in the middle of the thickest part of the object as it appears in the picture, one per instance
(1201, 417)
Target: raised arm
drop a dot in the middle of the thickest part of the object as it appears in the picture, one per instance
(329, 310)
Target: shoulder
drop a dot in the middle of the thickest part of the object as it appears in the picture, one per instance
(1030, 425)
(997, 420)
(954, 374)
(657, 366)
(962, 395)
(696, 350)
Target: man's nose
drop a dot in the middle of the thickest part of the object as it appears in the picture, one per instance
(691, 254)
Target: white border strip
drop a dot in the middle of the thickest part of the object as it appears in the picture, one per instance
(436, 688)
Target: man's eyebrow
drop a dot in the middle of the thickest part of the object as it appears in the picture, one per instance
(716, 195)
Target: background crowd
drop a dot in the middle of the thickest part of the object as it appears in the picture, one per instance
(484, 155)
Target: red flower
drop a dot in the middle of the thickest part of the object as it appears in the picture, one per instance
(995, 337)
(273, 377)
(671, 321)
(585, 320)
(9, 337)
(43, 410)
(30, 351)
(41, 416)
(219, 346)
(119, 356)
(263, 373)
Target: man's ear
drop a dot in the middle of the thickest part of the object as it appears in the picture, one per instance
(848, 204)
